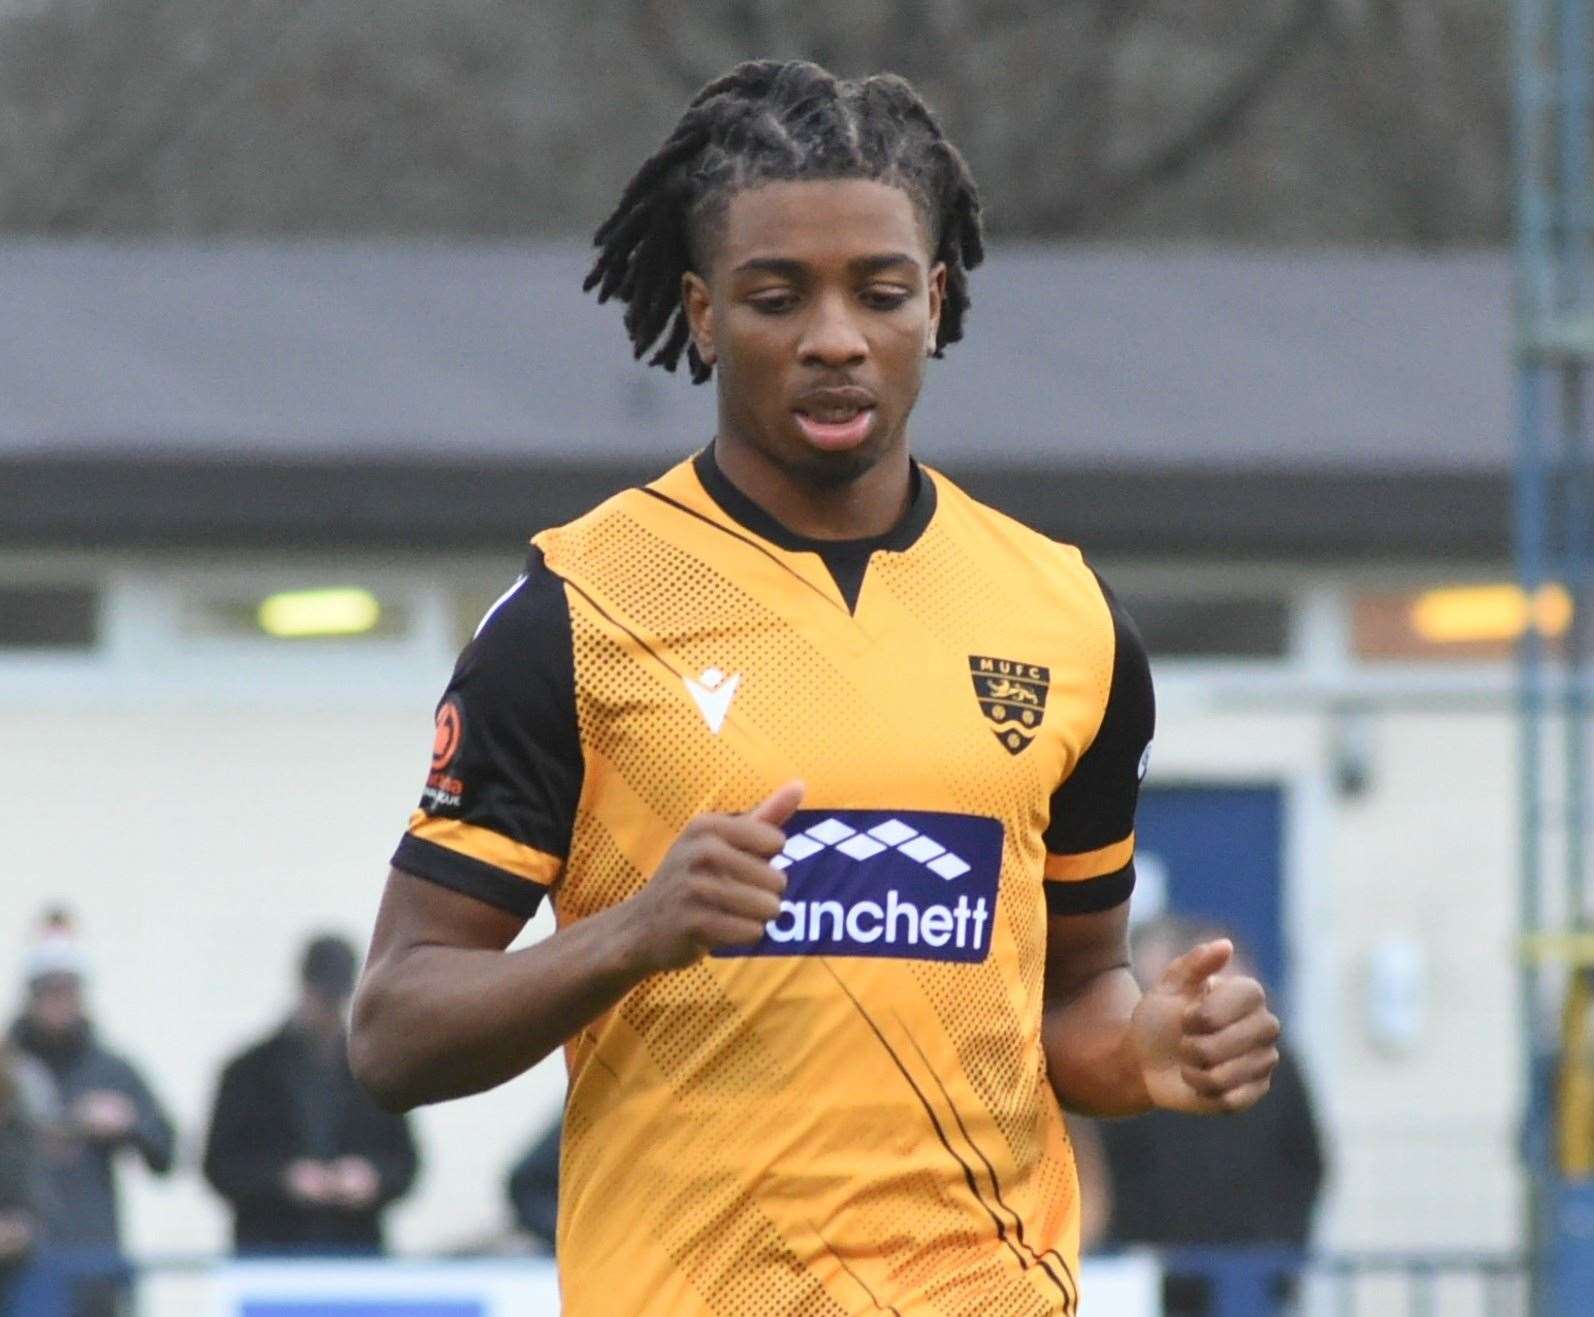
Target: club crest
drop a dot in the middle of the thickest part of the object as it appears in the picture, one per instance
(1012, 697)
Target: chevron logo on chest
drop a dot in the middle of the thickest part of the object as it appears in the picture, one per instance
(712, 691)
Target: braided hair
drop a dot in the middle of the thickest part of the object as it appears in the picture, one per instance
(767, 121)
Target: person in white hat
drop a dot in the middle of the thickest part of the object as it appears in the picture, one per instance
(105, 1109)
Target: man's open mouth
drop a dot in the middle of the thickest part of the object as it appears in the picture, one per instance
(835, 428)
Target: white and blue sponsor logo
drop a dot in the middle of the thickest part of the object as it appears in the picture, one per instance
(907, 884)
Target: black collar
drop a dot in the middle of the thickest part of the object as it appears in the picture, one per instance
(736, 505)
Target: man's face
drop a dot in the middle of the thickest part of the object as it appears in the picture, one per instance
(322, 1009)
(55, 1003)
(818, 310)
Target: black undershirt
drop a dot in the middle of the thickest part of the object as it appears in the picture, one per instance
(847, 561)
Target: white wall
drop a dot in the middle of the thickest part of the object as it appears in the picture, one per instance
(201, 846)
(1423, 1140)
(1428, 1139)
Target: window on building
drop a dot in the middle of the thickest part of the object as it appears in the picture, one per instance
(296, 614)
(49, 617)
(1212, 627)
(1471, 622)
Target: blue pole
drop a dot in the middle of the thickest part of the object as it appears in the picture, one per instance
(1534, 303)
(1570, 479)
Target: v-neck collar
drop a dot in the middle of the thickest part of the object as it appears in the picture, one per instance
(846, 560)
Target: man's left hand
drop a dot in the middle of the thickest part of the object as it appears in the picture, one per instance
(1205, 1041)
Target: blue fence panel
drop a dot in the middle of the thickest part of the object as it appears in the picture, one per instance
(1238, 1282)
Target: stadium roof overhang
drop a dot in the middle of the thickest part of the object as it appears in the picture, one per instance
(192, 502)
(1303, 406)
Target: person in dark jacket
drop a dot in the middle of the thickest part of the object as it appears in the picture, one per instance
(22, 1189)
(105, 1110)
(1248, 1179)
(534, 1187)
(307, 1160)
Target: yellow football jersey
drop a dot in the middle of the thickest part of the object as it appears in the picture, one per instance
(852, 1115)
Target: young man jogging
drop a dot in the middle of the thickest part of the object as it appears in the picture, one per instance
(830, 772)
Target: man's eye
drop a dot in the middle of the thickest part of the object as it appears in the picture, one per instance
(886, 299)
(773, 304)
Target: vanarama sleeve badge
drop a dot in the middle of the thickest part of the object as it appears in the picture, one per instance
(443, 788)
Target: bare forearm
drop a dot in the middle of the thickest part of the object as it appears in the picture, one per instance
(433, 1022)
(1089, 1055)
(444, 1010)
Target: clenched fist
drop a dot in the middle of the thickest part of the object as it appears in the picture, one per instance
(714, 887)
(1205, 1042)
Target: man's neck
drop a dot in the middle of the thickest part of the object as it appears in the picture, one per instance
(869, 505)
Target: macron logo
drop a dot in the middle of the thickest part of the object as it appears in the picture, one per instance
(713, 692)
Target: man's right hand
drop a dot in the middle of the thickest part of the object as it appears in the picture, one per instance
(715, 887)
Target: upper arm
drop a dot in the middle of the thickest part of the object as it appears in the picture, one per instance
(416, 913)
(494, 821)
(153, 1133)
(1090, 834)
(1080, 947)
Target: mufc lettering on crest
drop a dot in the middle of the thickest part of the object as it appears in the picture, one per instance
(1012, 696)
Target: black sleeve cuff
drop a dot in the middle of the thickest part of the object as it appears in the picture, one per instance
(468, 876)
(1092, 895)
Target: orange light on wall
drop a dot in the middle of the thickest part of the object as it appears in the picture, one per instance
(1474, 614)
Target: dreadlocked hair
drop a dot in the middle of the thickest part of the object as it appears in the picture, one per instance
(767, 121)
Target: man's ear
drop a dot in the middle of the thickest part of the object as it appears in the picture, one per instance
(699, 307)
(937, 300)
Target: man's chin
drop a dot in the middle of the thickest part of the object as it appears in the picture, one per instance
(832, 470)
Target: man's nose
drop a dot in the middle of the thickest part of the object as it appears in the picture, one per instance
(832, 336)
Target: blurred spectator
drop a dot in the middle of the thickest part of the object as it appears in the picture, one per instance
(104, 1108)
(22, 1188)
(307, 1160)
(534, 1187)
(1248, 1179)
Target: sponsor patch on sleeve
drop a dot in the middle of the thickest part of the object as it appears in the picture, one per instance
(444, 789)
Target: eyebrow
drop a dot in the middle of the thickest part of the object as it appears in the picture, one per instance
(795, 269)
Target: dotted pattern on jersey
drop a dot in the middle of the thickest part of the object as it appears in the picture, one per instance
(699, 1039)
(611, 678)
(735, 1256)
(914, 1249)
(671, 592)
(635, 559)
(942, 588)
(721, 1238)
(992, 1290)
(977, 1009)
(606, 874)
(1057, 1185)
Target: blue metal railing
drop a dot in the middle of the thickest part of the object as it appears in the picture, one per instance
(1235, 1282)
(1269, 1282)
